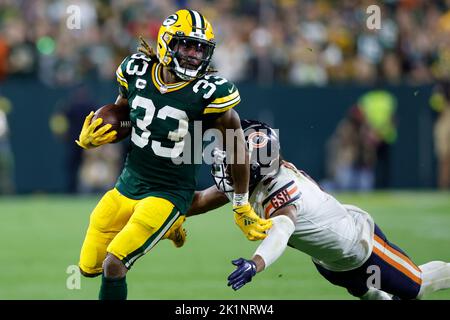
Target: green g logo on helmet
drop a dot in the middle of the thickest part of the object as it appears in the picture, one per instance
(170, 20)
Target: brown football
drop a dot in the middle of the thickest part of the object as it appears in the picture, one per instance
(117, 117)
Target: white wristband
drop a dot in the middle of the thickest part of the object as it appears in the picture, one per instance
(239, 199)
(276, 241)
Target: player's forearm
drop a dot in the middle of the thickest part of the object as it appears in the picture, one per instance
(237, 154)
(206, 200)
(240, 169)
(275, 243)
(259, 262)
(241, 177)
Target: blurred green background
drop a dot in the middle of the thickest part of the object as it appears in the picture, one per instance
(43, 236)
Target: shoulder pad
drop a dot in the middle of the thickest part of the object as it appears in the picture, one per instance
(225, 96)
(282, 192)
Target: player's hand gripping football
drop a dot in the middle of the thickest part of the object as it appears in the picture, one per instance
(249, 222)
(90, 137)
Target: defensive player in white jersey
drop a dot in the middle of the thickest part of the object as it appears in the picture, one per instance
(344, 242)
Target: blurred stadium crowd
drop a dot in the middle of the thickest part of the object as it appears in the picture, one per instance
(294, 42)
(301, 42)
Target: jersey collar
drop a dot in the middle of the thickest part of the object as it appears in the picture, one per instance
(161, 85)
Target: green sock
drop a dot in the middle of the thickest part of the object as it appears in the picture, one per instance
(113, 289)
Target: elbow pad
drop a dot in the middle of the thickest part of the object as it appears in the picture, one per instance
(276, 241)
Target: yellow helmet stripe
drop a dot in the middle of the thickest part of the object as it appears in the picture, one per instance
(194, 20)
(200, 22)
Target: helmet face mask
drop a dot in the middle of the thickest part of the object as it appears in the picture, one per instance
(191, 57)
(186, 44)
(264, 148)
(222, 177)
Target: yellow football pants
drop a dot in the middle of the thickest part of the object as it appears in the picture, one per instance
(126, 228)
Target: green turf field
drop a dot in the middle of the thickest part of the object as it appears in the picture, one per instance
(41, 237)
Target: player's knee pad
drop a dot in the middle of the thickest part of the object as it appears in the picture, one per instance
(93, 251)
(91, 257)
(104, 215)
(88, 273)
(151, 219)
(152, 213)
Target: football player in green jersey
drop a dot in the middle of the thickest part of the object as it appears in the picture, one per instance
(165, 93)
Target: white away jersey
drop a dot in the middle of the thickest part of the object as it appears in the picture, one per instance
(338, 237)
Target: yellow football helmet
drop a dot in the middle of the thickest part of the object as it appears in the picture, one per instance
(186, 29)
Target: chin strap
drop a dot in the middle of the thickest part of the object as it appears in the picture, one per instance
(211, 70)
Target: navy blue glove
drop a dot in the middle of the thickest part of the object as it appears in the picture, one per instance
(244, 273)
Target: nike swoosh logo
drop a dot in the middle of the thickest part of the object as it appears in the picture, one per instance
(271, 187)
(231, 90)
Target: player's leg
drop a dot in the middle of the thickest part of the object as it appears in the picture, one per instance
(114, 285)
(398, 275)
(376, 294)
(107, 219)
(387, 270)
(401, 277)
(435, 276)
(151, 220)
(355, 281)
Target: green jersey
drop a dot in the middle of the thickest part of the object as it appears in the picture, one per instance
(162, 115)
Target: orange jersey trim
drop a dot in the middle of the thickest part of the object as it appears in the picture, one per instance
(394, 263)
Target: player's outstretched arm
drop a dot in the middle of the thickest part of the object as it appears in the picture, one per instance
(237, 157)
(207, 200)
(268, 251)
(245, 217)
(91, 136)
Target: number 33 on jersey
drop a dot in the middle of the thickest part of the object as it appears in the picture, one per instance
(162, 115)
